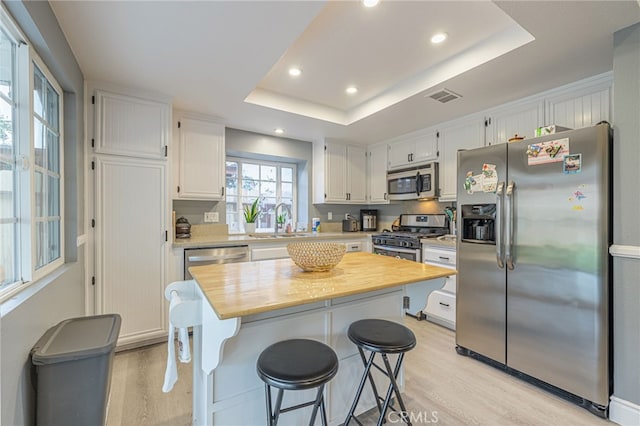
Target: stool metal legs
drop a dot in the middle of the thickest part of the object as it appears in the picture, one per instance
(392, 374)
(274, 412)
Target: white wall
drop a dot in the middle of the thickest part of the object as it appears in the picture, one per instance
(626, 206)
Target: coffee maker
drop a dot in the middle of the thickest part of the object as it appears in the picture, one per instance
(369, 220)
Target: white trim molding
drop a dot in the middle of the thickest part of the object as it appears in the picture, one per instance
(623, 412)
(632, 252)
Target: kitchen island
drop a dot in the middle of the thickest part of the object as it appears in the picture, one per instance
(245, 307)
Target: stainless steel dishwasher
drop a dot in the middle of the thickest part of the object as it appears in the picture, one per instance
(214, 255)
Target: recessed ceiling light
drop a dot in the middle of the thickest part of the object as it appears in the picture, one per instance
(352, 90)
(370, 3)
(279, 131)
(294, 71)
(438, 38)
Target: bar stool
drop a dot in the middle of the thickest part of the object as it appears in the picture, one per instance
(381, 337)
(296, 364)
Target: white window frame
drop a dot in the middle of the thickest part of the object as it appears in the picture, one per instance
(24, 151)
(14, 36)
(278, 165)
(50, 266)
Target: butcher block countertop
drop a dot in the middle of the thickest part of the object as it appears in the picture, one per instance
(240, 289)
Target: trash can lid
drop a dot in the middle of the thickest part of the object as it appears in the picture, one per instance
(77, 338)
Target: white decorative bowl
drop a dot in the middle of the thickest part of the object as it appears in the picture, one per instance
(316, 256)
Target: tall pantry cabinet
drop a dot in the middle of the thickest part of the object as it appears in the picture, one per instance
(128, 172)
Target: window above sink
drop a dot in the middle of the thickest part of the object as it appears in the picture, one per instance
(273, 182)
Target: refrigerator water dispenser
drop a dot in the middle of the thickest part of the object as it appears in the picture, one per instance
(478, 223)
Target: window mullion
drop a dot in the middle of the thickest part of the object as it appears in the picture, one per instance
(240, 196)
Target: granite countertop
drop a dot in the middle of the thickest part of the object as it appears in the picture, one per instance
(217, 235)
(209, 240)
(240, 289)
(444, 241)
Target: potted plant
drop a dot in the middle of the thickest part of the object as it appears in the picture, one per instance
(281, 220)
(251, 213)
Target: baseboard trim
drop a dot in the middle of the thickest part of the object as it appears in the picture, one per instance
(623, 412)
(632, 252)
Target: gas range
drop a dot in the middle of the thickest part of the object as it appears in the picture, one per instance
(405, 242)
(403, 238)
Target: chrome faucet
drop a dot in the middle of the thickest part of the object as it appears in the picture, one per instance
(275, 210)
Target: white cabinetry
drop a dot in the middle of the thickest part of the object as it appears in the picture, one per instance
(130, 252)
(521, 119)
(129, 210)
(339, 173)
(356, 174)
(201, 159)
(413, 149)
(131, 126)
(461, 134)
(580, 106)
(377, 174)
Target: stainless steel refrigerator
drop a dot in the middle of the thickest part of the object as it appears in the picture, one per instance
(534, 292)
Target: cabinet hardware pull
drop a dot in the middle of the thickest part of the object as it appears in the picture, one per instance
(444, 304)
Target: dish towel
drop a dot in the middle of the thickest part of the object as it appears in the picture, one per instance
(184, 352)
(171, 373)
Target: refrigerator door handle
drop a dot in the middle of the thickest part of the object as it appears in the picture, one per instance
(499, 221)
(508, 252)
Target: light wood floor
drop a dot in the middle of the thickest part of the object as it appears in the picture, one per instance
(441, 387)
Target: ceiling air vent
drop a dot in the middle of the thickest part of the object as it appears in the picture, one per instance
(444, 96)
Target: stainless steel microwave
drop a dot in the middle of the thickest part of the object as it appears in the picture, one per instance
(413, 184)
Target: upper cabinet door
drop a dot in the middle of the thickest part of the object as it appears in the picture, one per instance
(467, 134)
(356, 174)
(131, 126)
(426, 146)
(201, 160)
(400, 153)
(578, 109)
(377, 174)
(340, 173)
(335, 172)
(519, 119)
(413, 149)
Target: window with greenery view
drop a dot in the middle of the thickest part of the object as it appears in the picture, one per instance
(31, 163)
(272, 182)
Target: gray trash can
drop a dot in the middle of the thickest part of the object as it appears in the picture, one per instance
(72, 370)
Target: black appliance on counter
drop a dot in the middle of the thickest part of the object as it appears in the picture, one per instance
(368, 220)
(405, 242)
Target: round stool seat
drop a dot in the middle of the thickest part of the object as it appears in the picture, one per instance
(297, 364)
(377, 335)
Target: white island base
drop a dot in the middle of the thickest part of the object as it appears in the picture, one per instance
(226, 388)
